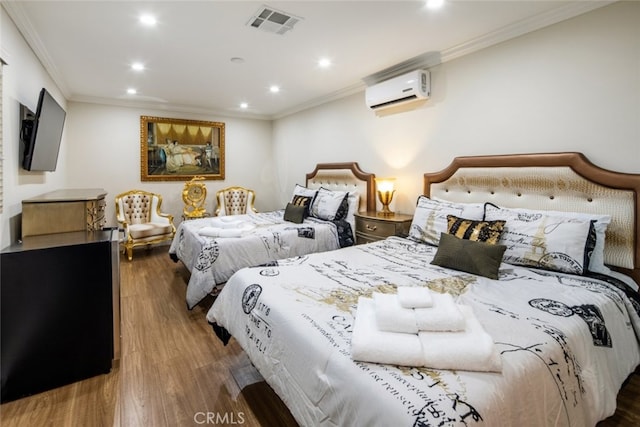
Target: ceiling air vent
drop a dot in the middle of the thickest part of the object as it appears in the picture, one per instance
(273, 21)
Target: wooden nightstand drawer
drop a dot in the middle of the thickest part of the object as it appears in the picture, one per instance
(375, 227)
(371, 227)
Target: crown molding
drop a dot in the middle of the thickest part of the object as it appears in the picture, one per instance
(517, 29)
(173, 108)
(523, 27)
(431, 59)
(333, 96)
(16, 12)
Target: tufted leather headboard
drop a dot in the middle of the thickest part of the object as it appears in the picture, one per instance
(345, 177)
(553, 181)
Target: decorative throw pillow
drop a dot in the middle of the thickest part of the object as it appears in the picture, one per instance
(300, 191)
(479, 231)
(542, 240)
(430, 217)
(599, 223)
(295, 213)
(469, 256)
(303, 201)
(327, 204)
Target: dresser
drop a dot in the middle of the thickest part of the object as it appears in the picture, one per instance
(59, 310)
(371, 227)
(61, 211)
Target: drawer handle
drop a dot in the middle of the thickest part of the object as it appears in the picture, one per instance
(370, 228)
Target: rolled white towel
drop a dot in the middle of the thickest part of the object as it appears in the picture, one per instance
(391, 316)
(444, 315)
(470, 350)
(414, 297)
(220, 232)
(369, 344)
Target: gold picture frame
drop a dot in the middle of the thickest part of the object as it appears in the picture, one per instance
(178, 149)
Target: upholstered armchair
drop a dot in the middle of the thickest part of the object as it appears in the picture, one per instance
(138, 213)
(235, 201)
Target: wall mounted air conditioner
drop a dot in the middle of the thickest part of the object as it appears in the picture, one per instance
(409, 87)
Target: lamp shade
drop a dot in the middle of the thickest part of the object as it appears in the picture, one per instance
(385, 187)
(385, 184)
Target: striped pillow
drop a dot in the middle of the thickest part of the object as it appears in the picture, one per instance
(478, 231)
(304, 201)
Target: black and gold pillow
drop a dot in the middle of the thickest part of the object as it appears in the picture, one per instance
(304, 201)
(478, 231)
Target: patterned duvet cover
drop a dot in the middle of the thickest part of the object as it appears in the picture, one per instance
(566, 342)
(212, 260)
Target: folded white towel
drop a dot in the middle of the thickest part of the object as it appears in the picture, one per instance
(470, 350)
(391, 317)
(369, 344)
(226, 222)
(414, 297)
(444, 315)
(220, 232)
(227, 218)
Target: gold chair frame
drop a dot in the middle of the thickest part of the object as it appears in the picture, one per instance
(129, 242)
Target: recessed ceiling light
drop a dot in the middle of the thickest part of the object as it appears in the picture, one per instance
(434, 4)
(137, 66)
(244, 105)
(237, 60)
(274, 89)
(148, 20)
(131, 91)
(324, 62)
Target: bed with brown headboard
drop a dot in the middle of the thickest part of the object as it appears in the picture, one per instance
(213, 249)
(551, 181)
(542, 343)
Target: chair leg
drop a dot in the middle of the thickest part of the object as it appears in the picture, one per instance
(129, 249)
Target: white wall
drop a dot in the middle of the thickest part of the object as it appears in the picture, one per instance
(23, 78)
(573, 86)
(105, 153)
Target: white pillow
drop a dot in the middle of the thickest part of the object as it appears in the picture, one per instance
(299, 190)
(543, 240)
(430, 217)
(354, 203)
(326, 204)
(596, 263)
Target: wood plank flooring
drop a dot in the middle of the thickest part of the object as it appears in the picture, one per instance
(175, 372)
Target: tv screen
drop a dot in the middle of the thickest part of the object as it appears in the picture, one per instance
(42, 134)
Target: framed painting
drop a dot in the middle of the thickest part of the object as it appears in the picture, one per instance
(178, 150)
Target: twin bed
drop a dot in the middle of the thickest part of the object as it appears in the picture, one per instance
(565, 327)
(212, 249)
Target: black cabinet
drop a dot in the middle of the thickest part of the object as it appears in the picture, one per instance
(59, 297)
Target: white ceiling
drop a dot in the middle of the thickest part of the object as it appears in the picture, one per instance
(88, 47)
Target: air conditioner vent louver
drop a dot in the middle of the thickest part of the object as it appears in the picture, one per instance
(273, 21)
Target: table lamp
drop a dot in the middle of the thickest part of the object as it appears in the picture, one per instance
(385, 194)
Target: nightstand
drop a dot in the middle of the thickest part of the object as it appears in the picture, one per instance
(371, 227)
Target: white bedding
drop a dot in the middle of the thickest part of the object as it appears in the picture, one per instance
(256, 239)
(561, 365)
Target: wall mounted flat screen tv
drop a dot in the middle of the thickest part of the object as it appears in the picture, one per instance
(41, 134)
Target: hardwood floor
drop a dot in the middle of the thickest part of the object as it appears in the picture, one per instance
(175, 372)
